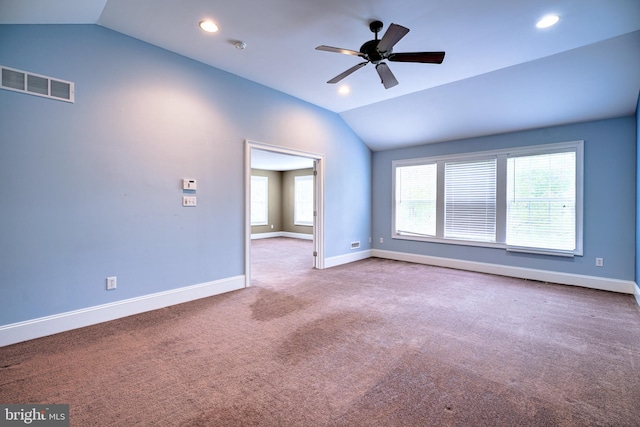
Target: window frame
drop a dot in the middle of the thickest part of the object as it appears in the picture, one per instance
(264, 180)
(501, 195)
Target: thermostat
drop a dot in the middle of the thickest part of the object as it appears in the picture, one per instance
(188, 184)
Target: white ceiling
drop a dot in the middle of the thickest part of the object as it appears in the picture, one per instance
(500, 73)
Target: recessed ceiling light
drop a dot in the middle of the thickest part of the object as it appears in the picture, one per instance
(344, 89)
(208, 26)
(548, 21)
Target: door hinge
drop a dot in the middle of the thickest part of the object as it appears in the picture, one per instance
(315, 253)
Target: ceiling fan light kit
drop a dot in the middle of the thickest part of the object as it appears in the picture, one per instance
(376, 51)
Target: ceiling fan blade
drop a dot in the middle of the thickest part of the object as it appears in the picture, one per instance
(339, 50)
(353, 69)
(424, 57)
(393, 35)
(387, 77)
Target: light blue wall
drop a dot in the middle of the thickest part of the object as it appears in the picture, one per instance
(609, 200)
(92, 189)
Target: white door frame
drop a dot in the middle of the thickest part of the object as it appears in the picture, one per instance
(318, 229)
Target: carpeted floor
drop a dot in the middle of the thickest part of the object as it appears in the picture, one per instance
(372, 343)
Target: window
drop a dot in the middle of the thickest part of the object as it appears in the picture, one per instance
(259, 200)
(541, 201)
(527, 199)
(470, 200)
(303, 200)
(416, 200)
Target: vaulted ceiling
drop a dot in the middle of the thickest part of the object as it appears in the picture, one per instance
(500, 73)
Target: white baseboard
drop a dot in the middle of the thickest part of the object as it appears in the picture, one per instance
(49, 325)
(602, 283)
(345, 259)
(282, 234)
(297, 235)
(255, 236)
(636, 293)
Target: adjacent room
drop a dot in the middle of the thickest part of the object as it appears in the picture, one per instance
(298, 213)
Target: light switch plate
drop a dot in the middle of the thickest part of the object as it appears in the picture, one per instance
(189, 201)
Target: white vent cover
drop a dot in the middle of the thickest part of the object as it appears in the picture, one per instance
(34, 84)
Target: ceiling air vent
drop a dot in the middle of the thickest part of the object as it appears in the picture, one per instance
(35, 84)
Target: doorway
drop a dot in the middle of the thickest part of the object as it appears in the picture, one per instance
(259, 152)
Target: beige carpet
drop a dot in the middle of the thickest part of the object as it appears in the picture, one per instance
(373, 343)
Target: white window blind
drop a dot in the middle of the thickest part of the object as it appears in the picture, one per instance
(303, 200)
(416, 191)
(259, 200)
(470, 200)
(541, 201)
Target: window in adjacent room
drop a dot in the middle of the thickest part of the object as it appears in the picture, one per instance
(303, 200)
(259, 200)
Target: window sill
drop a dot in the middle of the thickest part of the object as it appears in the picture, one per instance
(448, 241)
(568, 254)
(493, 245)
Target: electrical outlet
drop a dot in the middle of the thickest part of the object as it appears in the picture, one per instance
(599, 262)
(112, 283)
(381, 240)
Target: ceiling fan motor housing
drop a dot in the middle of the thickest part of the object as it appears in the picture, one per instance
(370, 50)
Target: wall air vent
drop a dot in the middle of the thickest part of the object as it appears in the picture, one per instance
(35, 84)
(355, 245)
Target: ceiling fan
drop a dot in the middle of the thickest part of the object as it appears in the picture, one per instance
(376, 51)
